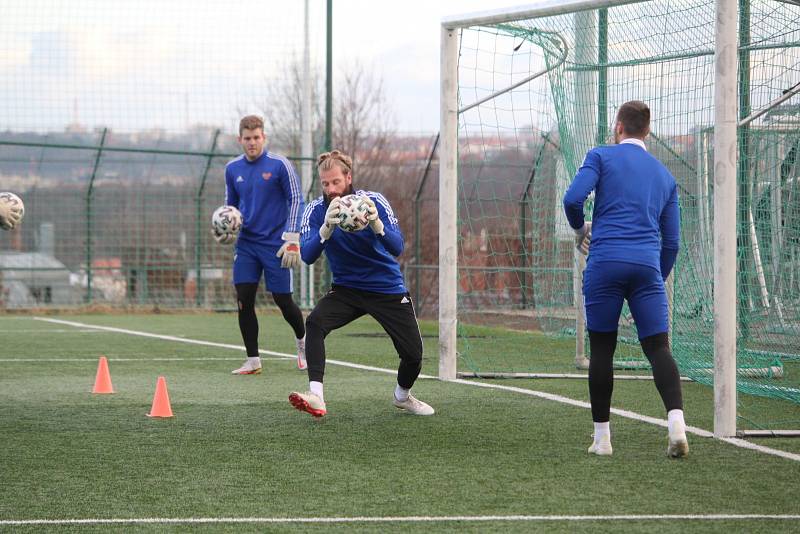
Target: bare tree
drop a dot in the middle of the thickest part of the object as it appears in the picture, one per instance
(361, 119)
(282, 109)
(361, 125)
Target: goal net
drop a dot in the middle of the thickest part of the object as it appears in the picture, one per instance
(534, 94)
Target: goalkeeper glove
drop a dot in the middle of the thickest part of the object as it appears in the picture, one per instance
(375, 222)
(289, 253)
(10, 216)
(583, 236)
(224, 238)
(331, 220)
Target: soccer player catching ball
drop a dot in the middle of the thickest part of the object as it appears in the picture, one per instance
(366, 280)
(634, 240)
(265, 188)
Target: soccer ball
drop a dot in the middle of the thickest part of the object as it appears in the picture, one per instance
(353, 213)
(12, 211)
(226, 220)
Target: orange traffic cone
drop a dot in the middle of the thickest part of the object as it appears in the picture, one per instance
(161, 407)
(102, 382)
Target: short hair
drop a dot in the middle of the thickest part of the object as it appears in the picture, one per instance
(635, 118)
(251, 122)
(327, 160)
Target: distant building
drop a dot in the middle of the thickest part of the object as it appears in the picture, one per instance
(31, 279)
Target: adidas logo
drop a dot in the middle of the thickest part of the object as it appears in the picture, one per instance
(405, 300)
(239, 179)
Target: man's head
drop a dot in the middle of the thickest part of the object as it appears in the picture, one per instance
(335, 174)
(251, 136)
(633, 120)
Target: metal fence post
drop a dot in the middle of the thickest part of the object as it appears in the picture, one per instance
(89, 229)
(198, 234)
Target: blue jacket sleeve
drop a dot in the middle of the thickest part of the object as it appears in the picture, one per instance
(392, 238)
(583, 184)
(311, 246)
(231, 195)
(670, 226)
(293, 192)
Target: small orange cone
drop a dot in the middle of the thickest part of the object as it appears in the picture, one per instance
(161, 407)
(102, 382)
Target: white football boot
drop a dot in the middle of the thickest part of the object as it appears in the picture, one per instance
(308, 402)
(678, 447)
(251, 366)
(413, 405)
(601, 447)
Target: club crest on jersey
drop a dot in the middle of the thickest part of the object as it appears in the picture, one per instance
(239, 179)
(266, 175)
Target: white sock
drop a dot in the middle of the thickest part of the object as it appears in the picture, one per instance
(301, 343)
(256, 360)
(401, 394)
(600, 430)
(316, 389)
(675, 422)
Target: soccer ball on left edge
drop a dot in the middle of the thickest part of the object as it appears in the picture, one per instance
(353, 213)
(227, 220)
(12, 210)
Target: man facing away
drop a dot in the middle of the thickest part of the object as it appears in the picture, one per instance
(366, 281)
(634, 238)
(265, 188)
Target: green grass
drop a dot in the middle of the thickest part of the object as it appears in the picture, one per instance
(486, 349)
(236, 447)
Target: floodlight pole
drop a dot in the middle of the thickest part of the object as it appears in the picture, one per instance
(329, 79)
(725, 100)
(306, 271)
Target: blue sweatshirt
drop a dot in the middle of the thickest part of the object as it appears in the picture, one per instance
(360, 260)
(267, 192)
(636, 216)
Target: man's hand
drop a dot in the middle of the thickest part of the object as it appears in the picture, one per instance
(375, 222)
(583, 236)
(10, 216)
(289, 253)
(331, 220)
(223, 238)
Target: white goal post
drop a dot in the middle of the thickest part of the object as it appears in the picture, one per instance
(725, 180)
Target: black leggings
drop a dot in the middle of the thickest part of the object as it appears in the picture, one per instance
(601, 372)
(395, 313)
(248, 322)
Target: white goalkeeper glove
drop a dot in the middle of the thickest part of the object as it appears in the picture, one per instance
(583, 236)
(223, 238)
(289, 253)
(331, 220)
(10, 216)
(375, 222)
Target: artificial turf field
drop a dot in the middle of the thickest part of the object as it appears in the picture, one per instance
(237, 457)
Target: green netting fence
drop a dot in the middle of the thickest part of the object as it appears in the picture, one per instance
(115, 125)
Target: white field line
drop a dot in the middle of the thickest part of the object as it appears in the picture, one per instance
(143, 359)
(213, 344)
(404, 519)
(179, 339)
(48, 331)
(540, 394)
